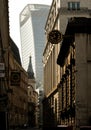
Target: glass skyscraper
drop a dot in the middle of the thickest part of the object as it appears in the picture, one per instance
(32, 23)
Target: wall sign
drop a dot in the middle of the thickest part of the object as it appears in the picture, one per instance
(15, 78)
(54, 37)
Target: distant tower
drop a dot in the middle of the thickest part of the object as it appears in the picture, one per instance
(30, 69)
(32, 23)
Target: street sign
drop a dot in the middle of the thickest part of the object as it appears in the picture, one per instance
(15, 78)
(54, 37)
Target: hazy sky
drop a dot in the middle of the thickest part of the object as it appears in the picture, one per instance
(15, 7)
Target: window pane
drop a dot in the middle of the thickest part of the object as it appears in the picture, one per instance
(78, 5)
(69, 5)
(73, 5)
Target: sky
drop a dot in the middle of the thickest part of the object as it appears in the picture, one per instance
(15, 7)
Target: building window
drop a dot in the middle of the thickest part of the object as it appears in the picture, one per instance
(73, 5)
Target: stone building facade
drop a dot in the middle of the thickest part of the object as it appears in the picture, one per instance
(60, 85)
(18, 83)
(4, 43)
(32, 104)
(13, 78)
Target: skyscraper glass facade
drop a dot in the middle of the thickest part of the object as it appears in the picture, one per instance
(32, 23)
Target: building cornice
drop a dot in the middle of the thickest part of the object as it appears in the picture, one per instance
(75, 25)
